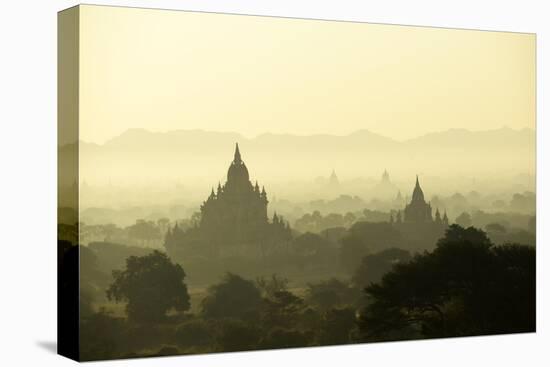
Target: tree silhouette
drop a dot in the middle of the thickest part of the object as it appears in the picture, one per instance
(495, 228)
(374, 266)
(336, 326)
(269, 287)
(151, 285)
(100, 335)
(466, 286)
(464, 220)
(281, 309)
(235, 335)
(194, 332)
(283, 338)
(310, 244)
(144, 231)
(233, 297)
(330, 294)
(364, 237)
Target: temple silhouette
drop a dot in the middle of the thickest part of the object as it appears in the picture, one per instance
(384, 189)
(419, 211)
(238, 208)
(234, 219)
(416, 222)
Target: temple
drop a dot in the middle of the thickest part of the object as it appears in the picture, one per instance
(385, 178)
(384, 189)
(416, 222)
(237, 209)
(418, 210)
(233, 219)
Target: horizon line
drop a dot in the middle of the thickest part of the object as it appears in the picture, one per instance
(245, 137)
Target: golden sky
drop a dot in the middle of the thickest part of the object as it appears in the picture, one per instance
(167, 70)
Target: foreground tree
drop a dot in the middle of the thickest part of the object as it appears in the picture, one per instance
(151, 285)
(282, 309)
(466, 286)
(233, 297)
(336, 326)
(236, 335)
(374, 266)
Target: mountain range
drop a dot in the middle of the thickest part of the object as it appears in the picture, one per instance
(189, 140)
(196, 153)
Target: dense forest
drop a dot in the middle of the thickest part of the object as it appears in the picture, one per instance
(466, 285)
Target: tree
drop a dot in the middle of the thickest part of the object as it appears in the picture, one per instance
(194, 333)
(330, 294)
(364, 237)
(151, 285)
(525, 202)
(464, 220)
(235, 335)
(336, 326)
(495, 228)
(281, 309)
(233, 297)
(532, 224)
(283, 338)
(144, 231)
(466, 286)
(349, 218)
(374, 266)
(92, 280)
(100, 336)
(269, 287)
(310, 244)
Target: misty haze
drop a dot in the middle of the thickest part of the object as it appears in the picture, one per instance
(219, 196)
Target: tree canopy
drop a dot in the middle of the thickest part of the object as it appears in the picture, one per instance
(233, 297)
(466, 286)
(331, 293)
(374, 266)
(151, 285)
(365, 237)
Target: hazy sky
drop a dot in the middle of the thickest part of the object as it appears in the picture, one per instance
(168, 70)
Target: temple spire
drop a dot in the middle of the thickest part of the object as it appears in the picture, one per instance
(333, 180)
(437, 216)
(418, 195)
(237, 158)
(385, 176)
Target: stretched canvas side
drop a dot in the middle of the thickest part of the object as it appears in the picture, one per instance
(68, 184)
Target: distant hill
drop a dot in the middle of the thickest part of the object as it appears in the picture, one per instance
(194, 154)
(499, 139)
(200, 141)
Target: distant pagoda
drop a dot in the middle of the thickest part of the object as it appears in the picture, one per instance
(418, 227)
(419, 211)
